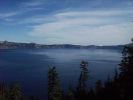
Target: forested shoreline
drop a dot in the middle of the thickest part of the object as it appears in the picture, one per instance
(16, 45)
(118, 88)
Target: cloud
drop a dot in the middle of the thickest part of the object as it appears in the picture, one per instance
(9, 14)
(32, 4)
(22, 8)
(88, 27)
(32, 20)
(97, 13)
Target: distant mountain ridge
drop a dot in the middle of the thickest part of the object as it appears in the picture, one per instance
(15, 45)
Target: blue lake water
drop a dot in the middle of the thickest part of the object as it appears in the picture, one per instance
(30, 67)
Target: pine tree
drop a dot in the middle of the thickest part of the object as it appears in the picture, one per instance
(127, 61)
(54, 89)
(126, 73)
(16, 92)
(3, 92)
(82, 90)
(98, 86)
(70, 94)
(83, 76)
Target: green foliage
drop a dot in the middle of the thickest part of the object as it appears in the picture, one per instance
(81, 92)
(10, 93)
(54, 89)
(13, 92)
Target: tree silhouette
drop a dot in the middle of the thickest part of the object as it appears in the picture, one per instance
(16, 92)
(3, 92)
(126, 73)
(70, 94)
(83, 76)
(98, 87)
(54, 89)
(82, 90)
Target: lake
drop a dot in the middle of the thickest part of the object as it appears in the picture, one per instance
(30, 67)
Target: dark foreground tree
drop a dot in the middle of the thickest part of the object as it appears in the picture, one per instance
(16, 92)
(70, 94)
(13, 92)
(54, 89)
(82, 85)
(3, 92)
(126, 74)
(82, 90)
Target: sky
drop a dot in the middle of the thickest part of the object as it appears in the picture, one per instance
(81, 22)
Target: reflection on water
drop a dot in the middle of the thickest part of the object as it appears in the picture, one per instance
(30, 67)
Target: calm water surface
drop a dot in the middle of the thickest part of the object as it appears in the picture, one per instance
(30, 67)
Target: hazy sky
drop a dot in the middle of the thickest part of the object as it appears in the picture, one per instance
(85, 22)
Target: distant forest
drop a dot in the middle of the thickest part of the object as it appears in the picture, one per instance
(118, 88)
(15, 45)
